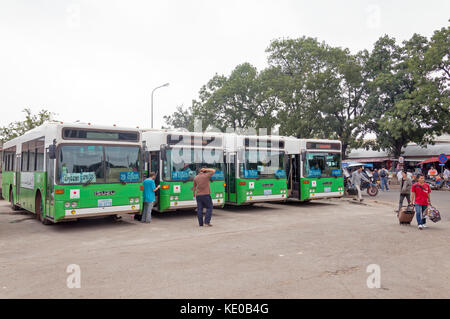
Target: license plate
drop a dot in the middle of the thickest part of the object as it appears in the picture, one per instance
(327, 189)
(267, 192)
(104, 202)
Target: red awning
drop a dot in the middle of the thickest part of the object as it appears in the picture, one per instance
(430, 160)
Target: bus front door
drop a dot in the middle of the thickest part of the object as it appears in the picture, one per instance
(231, 178)
(17, 179)
(50, 169)
(294, 176)
(155, 168)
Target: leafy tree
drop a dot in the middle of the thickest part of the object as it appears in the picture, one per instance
(320, 89)
(31, 121)
(181, 118)
(407, 102)
(230, 102)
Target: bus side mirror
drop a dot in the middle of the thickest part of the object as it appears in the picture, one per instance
(52, 151)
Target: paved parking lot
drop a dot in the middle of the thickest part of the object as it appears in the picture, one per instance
(316, 250)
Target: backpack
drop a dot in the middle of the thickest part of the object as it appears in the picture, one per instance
(382, 173)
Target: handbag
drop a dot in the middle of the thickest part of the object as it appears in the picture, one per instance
(432, 213)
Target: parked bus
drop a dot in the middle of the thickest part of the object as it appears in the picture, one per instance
(176, 157)
(314, 168)
(255, 169)
(67, 171)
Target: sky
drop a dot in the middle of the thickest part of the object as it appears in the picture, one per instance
(98, 61)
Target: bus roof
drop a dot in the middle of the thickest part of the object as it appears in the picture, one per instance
(53, 131)
(154, 138)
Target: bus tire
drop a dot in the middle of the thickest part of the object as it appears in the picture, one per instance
(11, 200)
(38, 209)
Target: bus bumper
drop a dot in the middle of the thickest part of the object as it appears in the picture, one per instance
(193, 203)
(101, 211)
(326, 195)
(265, 198)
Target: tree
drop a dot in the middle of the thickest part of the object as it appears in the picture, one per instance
(320, 89)
(181, 118)
(31, 121)
(406, 102)
(230, 102)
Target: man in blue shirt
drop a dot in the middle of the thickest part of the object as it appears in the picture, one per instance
(149, 198)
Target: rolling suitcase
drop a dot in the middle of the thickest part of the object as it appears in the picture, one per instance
(406, 215)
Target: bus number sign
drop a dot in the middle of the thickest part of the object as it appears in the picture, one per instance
(323, 146)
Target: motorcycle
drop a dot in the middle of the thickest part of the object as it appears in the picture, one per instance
(434, 184)
(370, 187)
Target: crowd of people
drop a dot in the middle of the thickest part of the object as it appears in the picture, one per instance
(413, 186)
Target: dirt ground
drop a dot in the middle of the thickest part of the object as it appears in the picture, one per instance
(297, 250)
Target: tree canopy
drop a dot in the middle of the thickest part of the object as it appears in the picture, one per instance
(31, 121)
(398, 92)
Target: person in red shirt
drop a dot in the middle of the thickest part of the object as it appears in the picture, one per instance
(421, 198)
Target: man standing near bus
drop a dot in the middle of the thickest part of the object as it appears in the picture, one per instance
(202, 194)
(149, 197)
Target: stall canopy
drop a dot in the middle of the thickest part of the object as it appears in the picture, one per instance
(430, 160)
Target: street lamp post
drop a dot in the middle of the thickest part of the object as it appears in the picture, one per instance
(164, 85)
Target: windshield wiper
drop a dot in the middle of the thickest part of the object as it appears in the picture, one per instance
(89, 180)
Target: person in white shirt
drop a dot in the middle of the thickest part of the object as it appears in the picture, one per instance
(446, 176)
(399, 176)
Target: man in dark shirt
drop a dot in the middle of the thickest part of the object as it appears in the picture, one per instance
(202, 194)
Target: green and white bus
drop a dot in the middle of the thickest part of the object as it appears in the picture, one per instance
(175, 157)
(314, 168)
(68, 171)
(255, 169)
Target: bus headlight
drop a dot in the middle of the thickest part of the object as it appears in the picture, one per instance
(136, 200)
(66, 204)
(131, 200)
(74, 204)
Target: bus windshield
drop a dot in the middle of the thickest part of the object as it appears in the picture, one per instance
(98, 164)
(262, 164)
(323, 164)
(182, 164)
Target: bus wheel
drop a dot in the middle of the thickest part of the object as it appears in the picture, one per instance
(38, 209)
(11, 200)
